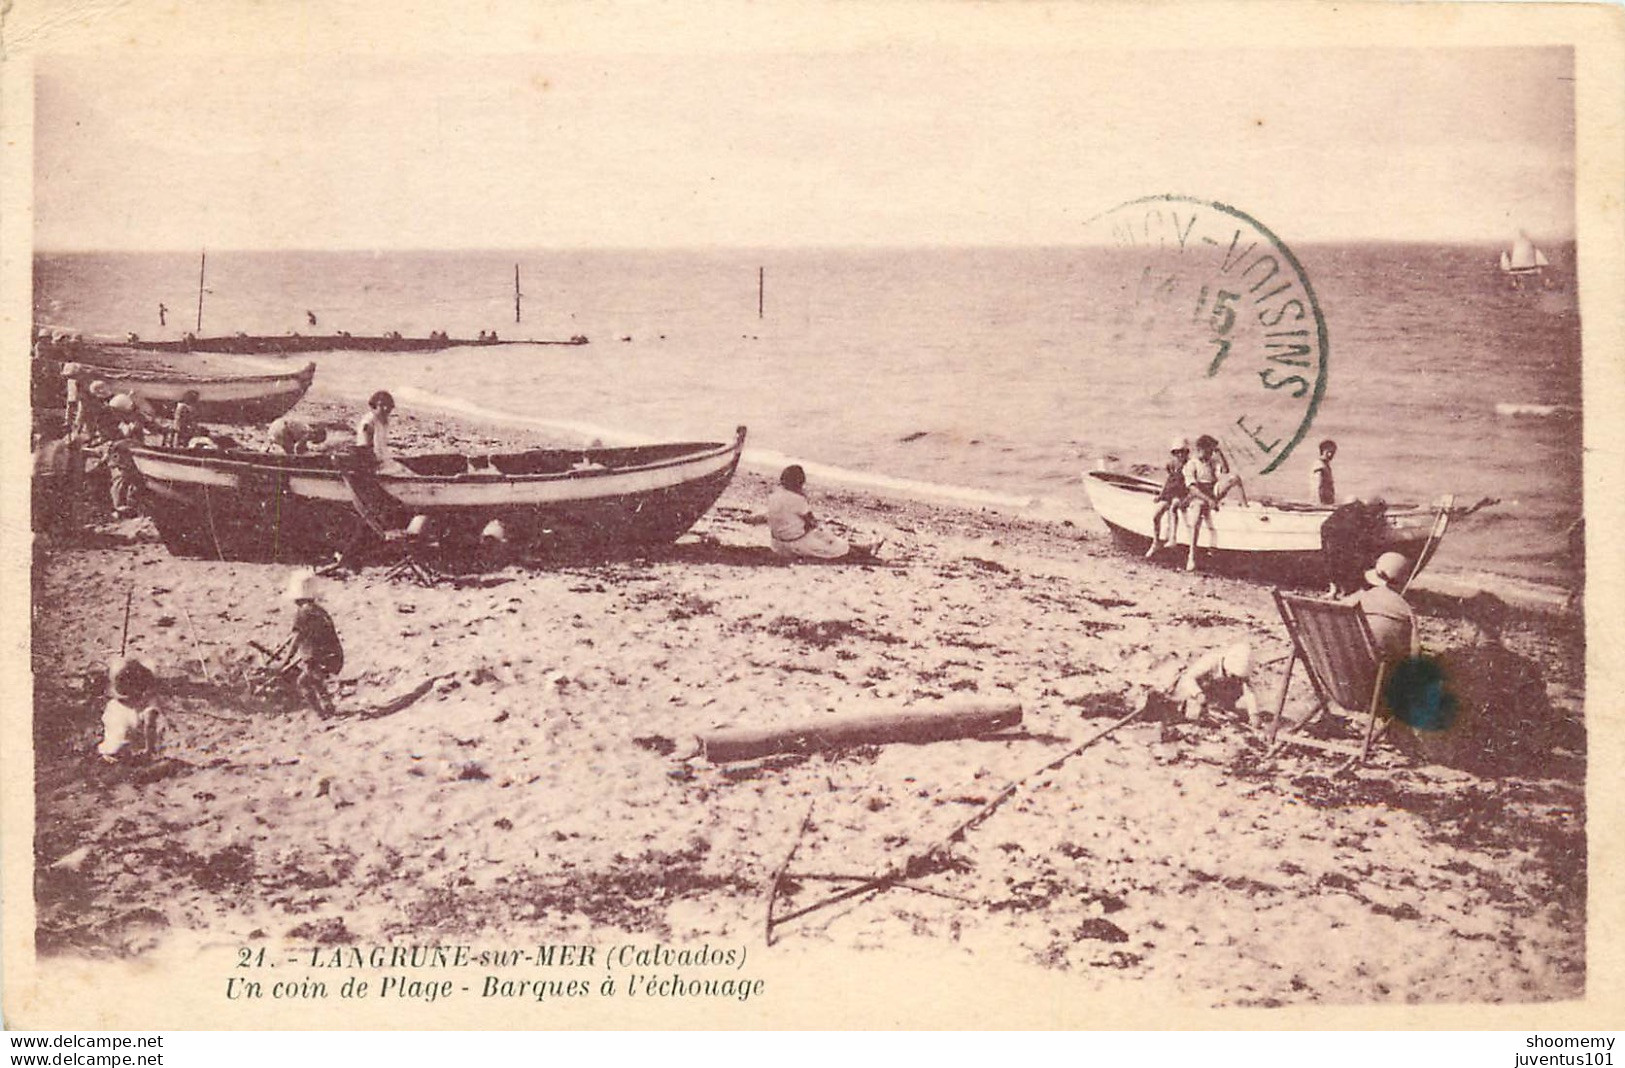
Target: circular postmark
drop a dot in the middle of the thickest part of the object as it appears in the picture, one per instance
(1219, 322)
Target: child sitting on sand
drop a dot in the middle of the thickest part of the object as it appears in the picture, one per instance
(131, 726)
(796, 534)
(1171, 498)
(314, 646)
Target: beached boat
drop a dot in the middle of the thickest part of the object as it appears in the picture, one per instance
(286, 344)
(1524, 258)
(1277, 541)
(233, 399)
(264, 506)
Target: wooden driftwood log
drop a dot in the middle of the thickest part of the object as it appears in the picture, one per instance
(934, 723)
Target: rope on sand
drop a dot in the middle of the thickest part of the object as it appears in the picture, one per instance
(202, 660)
(920, 863)
(207, 715)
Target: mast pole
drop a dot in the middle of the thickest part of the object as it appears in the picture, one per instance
(516, 292)
(203, 262)
(761, 283)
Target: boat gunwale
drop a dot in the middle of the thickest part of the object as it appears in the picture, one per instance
(304, 375)
(704, 451)
(1136, 484)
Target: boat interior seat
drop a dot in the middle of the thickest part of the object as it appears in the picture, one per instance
(436, 464)
(534, 462)
(233, 450)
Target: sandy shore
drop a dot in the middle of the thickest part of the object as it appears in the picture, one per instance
(515, 762)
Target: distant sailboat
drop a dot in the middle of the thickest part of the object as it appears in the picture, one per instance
(1524, 258)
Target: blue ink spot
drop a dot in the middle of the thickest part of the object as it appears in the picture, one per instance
(1417, 695)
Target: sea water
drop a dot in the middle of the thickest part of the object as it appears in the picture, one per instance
(987, 374)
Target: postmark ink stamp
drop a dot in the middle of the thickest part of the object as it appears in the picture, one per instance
(1216, 307)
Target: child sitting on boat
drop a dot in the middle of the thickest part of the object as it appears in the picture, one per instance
(131, 724)
(1210, 478)
(372, 432)
(1171, 498)
(185, 426)
(313, 647)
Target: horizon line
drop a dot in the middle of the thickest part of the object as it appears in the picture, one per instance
(810, 247)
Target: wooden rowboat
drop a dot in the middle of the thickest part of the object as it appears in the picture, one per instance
(286, 344)
(1278, 541)
(267, 506)
(240, 400)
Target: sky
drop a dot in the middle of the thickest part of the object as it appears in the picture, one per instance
(880, 147)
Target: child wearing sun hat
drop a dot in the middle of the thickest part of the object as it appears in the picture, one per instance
(1171, 498)
(1221, 678)
(314, 646)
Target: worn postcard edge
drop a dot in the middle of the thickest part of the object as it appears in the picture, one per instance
(850, 989)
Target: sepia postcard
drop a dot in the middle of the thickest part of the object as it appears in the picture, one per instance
(881, 515)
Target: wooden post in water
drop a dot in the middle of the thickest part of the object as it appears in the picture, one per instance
(761, 281)
(203, 262)
(516, 292)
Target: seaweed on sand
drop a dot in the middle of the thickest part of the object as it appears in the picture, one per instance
(633, 894)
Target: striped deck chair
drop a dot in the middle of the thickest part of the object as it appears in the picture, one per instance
(1345, 669)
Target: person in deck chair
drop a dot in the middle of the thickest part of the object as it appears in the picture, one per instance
(1390, 616)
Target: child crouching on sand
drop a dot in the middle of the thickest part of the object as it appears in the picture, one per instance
(314, 647)
(1221, 678)
(131, 724)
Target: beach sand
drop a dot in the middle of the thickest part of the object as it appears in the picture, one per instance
(515, 762)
